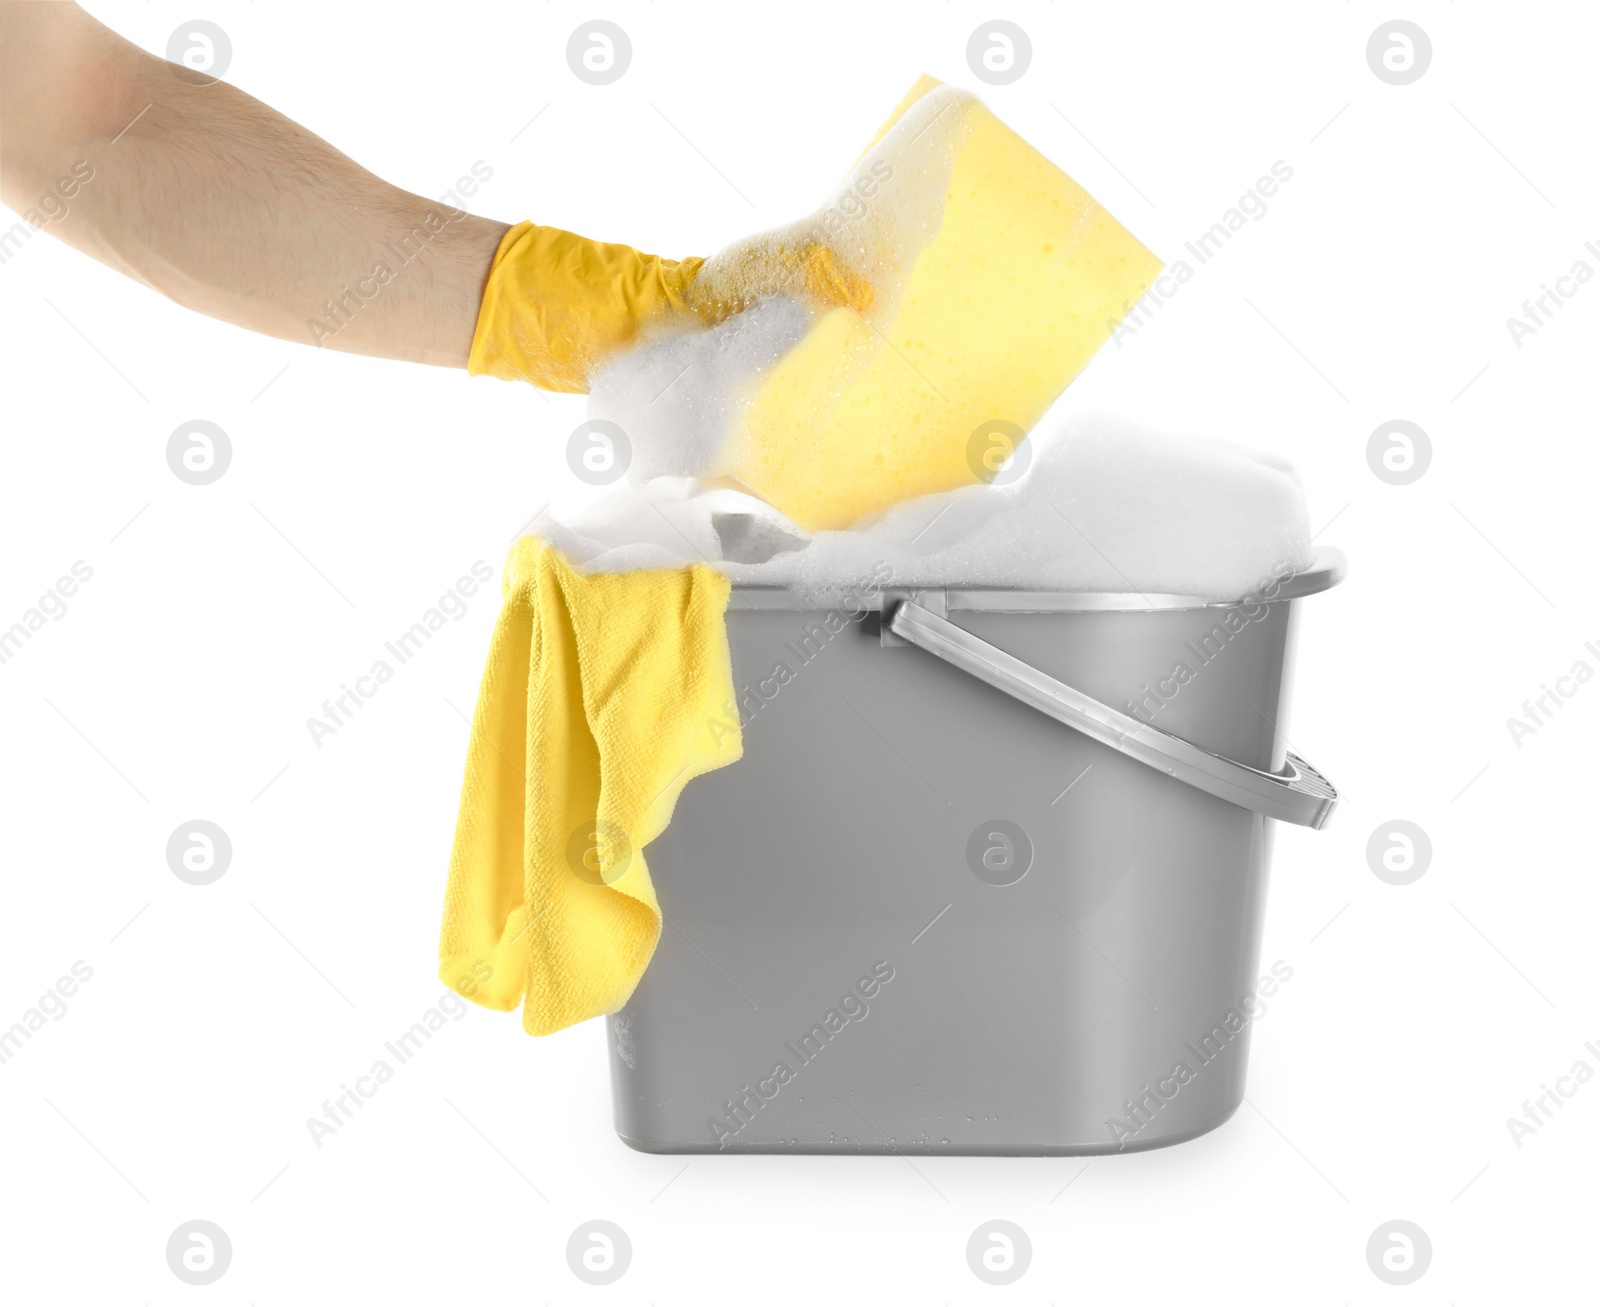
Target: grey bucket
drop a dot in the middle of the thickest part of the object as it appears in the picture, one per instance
(1005, 899)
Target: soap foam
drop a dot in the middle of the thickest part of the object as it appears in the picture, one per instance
(1106, 505)
(675, 396)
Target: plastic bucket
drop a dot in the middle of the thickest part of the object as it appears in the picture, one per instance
(1000, 894)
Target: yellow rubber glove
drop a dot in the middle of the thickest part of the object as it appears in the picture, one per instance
(556, 306)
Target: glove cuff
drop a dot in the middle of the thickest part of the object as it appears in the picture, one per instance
(557, 305)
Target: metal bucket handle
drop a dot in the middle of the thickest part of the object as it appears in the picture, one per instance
(1299, 794)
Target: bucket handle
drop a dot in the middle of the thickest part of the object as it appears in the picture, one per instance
(1299, 794)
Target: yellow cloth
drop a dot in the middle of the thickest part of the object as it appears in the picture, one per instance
(603, 696)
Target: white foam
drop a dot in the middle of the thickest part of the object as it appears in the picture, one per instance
(1106, 505)
(675, 396)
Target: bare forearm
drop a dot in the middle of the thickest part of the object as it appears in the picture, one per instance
(221, 203)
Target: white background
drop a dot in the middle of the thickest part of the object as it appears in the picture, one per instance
(219, 618)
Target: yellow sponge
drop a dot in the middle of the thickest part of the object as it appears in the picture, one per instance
(1000, 309)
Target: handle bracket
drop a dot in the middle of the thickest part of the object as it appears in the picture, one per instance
(1299, 794)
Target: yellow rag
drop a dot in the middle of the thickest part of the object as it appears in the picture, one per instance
(603, 696)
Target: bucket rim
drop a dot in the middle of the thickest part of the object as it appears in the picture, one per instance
(1328, 568)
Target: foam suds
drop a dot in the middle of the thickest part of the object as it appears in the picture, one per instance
(1106, 505)
(675, 397)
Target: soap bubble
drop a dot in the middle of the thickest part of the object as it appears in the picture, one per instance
(1106, 505)
(681, 391)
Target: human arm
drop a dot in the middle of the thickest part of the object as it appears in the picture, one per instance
(221, 203)
(227, 207)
